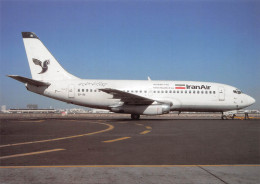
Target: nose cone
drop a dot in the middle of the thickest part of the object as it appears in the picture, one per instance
(250, 100)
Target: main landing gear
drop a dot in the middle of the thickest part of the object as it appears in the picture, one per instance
(135, 116)
(223, 117)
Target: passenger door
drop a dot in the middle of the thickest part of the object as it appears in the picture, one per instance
(71, 92)
(221, 94)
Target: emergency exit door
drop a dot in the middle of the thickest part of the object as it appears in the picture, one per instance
(71, 91)
(221, 93)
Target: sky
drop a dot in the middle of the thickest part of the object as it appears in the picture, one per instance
(214, 41)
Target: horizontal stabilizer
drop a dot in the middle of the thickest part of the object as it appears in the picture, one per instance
(29, 81)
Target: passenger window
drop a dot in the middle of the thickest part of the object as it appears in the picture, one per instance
(213, 92)
(86, 90)
(185, 91)
(145, 91)
(95, 91)
(201, 92)
(181, 91)
(177, 91)
(154, 91)
(170, 91)
(90, 90)
(140, 91)
(78, 90)
(166, 91)
(194, 91)
(190, 91)
(198, 92)
(82, 90)
(173, 91)
(206, 92)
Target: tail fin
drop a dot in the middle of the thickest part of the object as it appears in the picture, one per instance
(42, 64)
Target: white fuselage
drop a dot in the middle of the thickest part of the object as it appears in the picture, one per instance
(190, 96)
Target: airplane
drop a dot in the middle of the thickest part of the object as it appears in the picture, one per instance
(135, 97)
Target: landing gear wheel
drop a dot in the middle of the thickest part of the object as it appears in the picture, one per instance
(223, 117)
(135, 116)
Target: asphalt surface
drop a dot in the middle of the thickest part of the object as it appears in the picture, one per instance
(126, 142)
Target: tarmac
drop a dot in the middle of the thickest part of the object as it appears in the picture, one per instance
(115, 149)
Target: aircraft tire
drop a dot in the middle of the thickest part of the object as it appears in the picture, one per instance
(224, 117)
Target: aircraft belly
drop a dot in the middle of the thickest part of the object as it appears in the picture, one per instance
(205, 105)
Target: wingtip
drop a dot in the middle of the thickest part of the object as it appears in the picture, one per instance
(29, 35)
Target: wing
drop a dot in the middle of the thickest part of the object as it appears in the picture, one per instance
(37, 62)
(128, 98)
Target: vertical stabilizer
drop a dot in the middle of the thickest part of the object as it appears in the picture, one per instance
(42, 64)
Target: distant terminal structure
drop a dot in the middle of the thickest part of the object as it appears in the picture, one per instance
(102, 111)
(3, 108)
(32, 111)
(32, 106)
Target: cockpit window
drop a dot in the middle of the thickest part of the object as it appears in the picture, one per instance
(237, 91)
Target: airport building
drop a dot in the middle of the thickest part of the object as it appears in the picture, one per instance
(32, 111)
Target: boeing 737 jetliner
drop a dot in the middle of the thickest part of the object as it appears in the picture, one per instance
(135, 97)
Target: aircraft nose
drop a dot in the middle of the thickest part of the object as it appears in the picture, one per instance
(250, 100)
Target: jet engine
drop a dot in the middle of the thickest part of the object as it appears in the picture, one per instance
(142, 109)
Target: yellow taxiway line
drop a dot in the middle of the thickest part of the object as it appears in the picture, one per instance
(102, 166)
(139, 124)
(114, 140)
(148, 127)
(110, 127)
(145, 132)
(32, 153)
(243, 118)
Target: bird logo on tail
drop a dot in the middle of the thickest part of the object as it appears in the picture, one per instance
(43, 65)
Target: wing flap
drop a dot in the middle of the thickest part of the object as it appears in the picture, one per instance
(128, 98)
(29, 81)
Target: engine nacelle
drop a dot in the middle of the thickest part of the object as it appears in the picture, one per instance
(142, 109)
